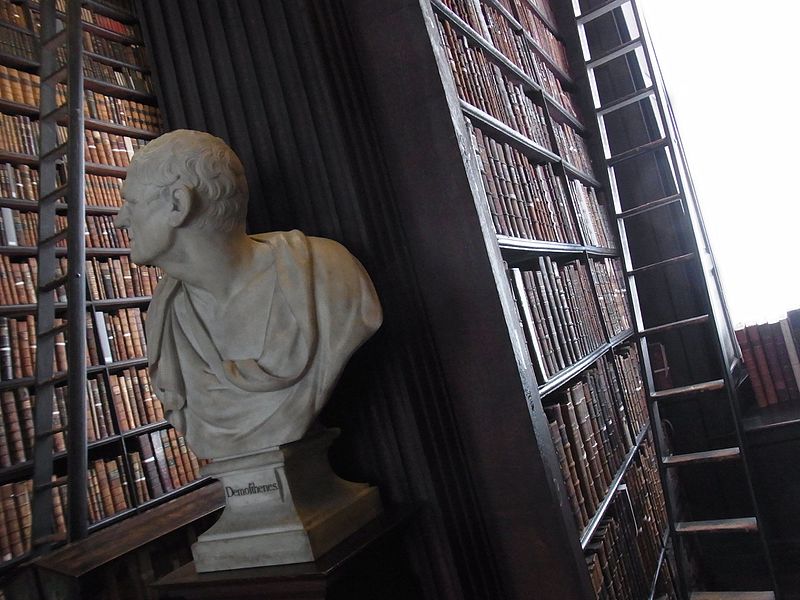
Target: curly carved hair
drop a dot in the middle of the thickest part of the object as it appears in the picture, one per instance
(204, 163)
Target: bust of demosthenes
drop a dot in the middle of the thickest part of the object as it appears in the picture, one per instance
(246, 334)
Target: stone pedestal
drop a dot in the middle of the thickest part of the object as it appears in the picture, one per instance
(283, 505)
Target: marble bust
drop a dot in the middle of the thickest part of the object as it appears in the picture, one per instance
(247, 335)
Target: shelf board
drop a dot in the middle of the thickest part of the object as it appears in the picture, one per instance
(112, 303)
(121, 365)
(563, 113)
(18, 62)
(600, 513)
(526, 247)
(508, 135)
(577, 368)
(115, 62)
(115, 518)
(16, 472)
(10, 564)
(485, 45)
(111, 11)
(175, 495)
(106, 170)
(17, 28)
(17, 108)
(110, 35)
(108, 127)
(21, 310)
(772, 417)
(61, 207)
(183, 507)
(578, 174)
(118, 91)
(150, 427)
(90, 252)
(19, 159)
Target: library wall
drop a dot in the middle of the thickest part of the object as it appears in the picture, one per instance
(279, 81)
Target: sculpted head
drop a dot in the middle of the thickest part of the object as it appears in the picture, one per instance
(183, 179)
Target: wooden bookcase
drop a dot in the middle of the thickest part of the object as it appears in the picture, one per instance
(135, 459)
(523, 282)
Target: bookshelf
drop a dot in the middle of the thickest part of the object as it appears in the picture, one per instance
(516, 208)
(135, 460)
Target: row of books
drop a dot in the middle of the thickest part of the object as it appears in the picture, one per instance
(134, 402)
(13, 14)
(111, 337)
(106, 148)
(18, 280)
(624, 553)
(19, 134)
(102, 21)
(16, 43)
(544, 7)
(557, 306)
(482, 83)
(770, 352)
(22, 182)
(593, 426)
(123, 76)
(494, 27)
(573, 147)
(15, 519)
(526, 200)
(18, 348)
(120, 336)
(120, 278)
(19, 86)
(553, 86)
(23, 88)
(128, 53)
(129, 392)
(167, 463)
(545, 39)
(611, 288)
(108, 492)
(20, 228)
(109, 278)
(593, 216)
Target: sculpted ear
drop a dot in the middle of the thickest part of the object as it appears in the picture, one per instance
(181, 205)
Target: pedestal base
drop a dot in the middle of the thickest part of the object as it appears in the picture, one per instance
(283, 506)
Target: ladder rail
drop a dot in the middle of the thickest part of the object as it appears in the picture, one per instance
(701, 236)
(719, 319)
(77, 457)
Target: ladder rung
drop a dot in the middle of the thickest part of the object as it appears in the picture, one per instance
(732, 596)
(55, 41)
(56, 77)
(614, 53)
(60, 113)
(54, 283)
(648, 206)
(663, 263)
(688, 390)
(51, 484)
(677, 460)
(744, 524)
(52, 538)
(56, 152)
(674, 325)
(57, 193)
(625, 101)
(600, 11)
(639, 150)
(53, 331)
(59, 235)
